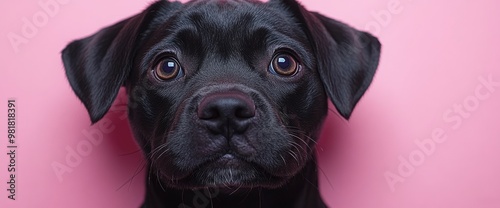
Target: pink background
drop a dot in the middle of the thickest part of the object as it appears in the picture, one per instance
(434, 55)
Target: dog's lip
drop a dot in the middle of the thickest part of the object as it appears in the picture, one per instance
(227, 156)
(230, 162)
(227, 160)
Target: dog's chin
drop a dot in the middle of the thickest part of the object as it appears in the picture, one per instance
(228, 173)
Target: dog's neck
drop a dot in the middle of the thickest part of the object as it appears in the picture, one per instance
(301, 191)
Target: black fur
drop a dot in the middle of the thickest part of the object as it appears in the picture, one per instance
(264, 158)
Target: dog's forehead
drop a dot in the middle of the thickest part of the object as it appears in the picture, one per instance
(228, 12)
(235, 16)
(226, 22)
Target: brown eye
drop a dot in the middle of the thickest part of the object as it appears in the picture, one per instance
(284, 64)
(167, 69)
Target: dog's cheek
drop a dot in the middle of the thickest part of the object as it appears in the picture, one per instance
(307, 106)
(147, 114)
(275, 151)
(174, 158)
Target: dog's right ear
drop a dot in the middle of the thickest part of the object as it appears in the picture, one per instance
(97, 66)
(346, 57)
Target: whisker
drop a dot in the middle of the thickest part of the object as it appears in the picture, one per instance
(284, 161)
(296, 130)
(130, 153)
(156, 150)
(158, 179)
(291, 153)
(296, 145)
(136, 172)
(300, 139)
(326, 177)
(149, 172)
(236, 189)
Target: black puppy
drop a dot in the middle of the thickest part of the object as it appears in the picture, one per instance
(226, 97)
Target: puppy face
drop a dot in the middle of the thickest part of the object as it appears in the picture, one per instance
(234, 97)
(224, 93)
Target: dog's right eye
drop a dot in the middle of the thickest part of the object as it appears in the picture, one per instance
(167, 69)
(284, 64)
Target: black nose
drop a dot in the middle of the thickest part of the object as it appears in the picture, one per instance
(226, 113)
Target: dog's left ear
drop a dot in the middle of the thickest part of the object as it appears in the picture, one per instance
(346, 58)
(97, 66)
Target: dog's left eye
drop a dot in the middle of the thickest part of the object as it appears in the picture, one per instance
(167, 69)
(284, 64)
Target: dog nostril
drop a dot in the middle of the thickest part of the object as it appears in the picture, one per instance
(245, 112)
(226, 113)
(208, 113)
(230, 106)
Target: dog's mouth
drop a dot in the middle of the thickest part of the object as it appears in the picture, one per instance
(228, 172)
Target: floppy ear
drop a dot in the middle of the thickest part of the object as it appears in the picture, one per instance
(97, 66)
(346, 58)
